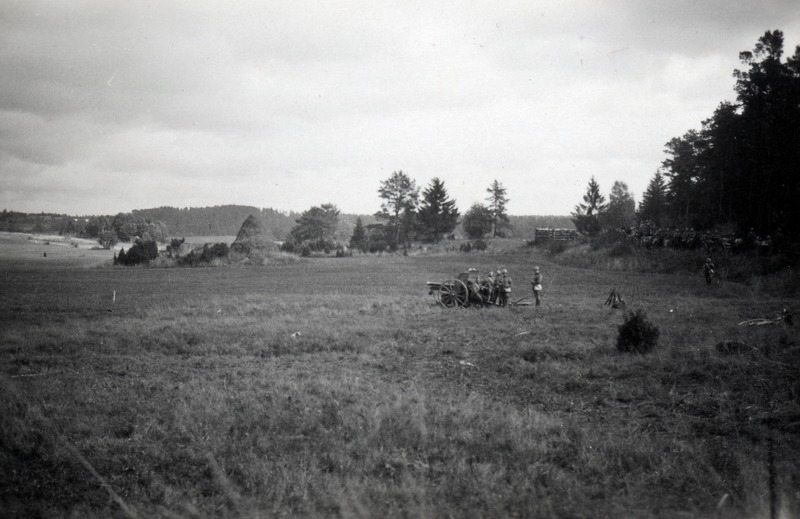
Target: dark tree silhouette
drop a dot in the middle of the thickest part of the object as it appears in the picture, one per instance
(586, 216)
(497, 201)
(438, 214)
(400, 197)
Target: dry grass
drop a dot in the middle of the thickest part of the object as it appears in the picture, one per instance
(333, 387)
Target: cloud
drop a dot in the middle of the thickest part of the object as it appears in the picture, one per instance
(281, 105)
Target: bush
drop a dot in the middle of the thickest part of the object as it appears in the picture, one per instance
(107, 239)
(139, 252)
(637, 334)
(479, 245)
(205, 254)
(306, 248)
(174, 247)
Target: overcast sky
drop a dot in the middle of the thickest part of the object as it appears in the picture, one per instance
(110, 106)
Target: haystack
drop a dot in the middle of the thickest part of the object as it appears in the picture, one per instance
(254, 236)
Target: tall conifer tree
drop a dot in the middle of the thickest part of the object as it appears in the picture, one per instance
(498, 200)
(438, 214)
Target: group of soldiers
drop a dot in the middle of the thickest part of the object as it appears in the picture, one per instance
(495, 287)
(492, 289)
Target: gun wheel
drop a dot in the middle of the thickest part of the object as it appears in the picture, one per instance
(454, 293)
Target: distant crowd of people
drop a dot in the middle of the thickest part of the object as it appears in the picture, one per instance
(648, 235)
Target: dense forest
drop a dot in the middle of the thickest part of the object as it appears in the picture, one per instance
(741, 170)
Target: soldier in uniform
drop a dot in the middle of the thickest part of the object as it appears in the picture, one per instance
(506, 286)
(536, 283)
(708, 270)
(500, 286)
(498, 275)
(488, 288)
(473, 282)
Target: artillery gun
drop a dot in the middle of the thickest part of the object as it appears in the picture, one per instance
(460, 292)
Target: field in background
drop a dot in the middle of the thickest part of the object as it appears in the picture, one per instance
(47, 251)
(334, 387)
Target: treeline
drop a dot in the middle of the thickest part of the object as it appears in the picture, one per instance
(107, 230)
(409, 214)
(209, 222)
(41, 223)
(406, 215)
(224, 220)
(741, 170)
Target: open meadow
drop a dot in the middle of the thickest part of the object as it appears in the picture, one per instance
(338, 388)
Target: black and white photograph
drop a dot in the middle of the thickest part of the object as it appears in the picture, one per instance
(399, 259)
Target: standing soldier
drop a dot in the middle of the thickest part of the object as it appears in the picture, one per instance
(536, 283)
(502, 284)
(491, 294)
(708, 270)
(478, 287)
(506, 285)
(472, 280)
(498, 280)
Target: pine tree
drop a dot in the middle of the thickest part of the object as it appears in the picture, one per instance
(358, 240)
(654, 201)
(586, 216)
(438, 214)
(498, 200)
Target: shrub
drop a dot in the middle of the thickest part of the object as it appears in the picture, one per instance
(107, 239)
(308, 247)
(637, 334)
(139, 252)
(479, 245)
(174, 247)
(205, 254)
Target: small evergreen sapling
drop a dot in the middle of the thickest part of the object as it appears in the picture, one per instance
(637, 334)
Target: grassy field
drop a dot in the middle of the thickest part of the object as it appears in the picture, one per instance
(47, 251)
(337, 388)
